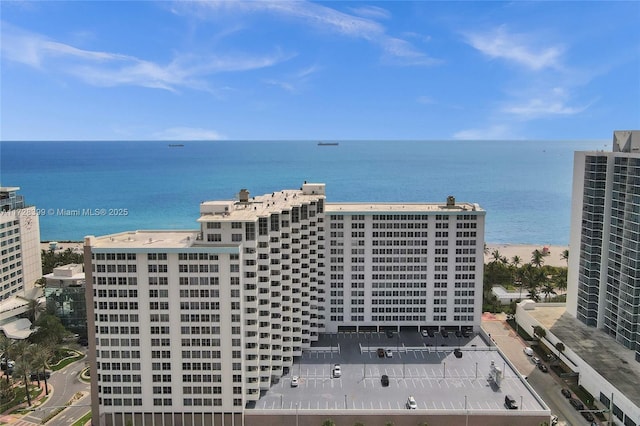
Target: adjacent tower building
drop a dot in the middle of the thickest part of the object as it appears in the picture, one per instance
(189, 327)
(604, 269)
(21, 260)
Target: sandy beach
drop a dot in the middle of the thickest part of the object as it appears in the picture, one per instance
(525, 250)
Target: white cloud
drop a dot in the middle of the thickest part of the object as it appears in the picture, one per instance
(373, 12)
(114, 69)
(519, 48)
(494, 132)
(325, 19)
(425, 100)
(187, 134)
(552, 103)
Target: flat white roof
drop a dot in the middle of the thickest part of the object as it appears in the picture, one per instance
(145, 239)
(402, 207)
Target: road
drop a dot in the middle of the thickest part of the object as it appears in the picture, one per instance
(66, 384)
(546, 385)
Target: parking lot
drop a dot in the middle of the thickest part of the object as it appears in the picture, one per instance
(419, 367)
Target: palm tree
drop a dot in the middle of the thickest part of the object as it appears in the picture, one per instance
(34, 309)
(533, 294)
(516, 261)
(540, 332)
(496, 256)
(537, 258)
(548, 290)
(23, 369)
(40, 356)
(6, 346)
(565, 255)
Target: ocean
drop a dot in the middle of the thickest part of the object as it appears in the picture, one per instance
(97, 188)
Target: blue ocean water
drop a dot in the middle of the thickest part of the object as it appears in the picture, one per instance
(525, 186)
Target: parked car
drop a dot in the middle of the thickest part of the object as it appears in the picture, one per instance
(389, 333)
(457, 353)
(384, 380)
(466, 333)
(337, 371)
(444, 333)
(458, 333)
(576, 404)
(587, 415)
(554, 420)
(431, 333)
(566, 392)
(411, 403)
(543, 368)
(528, 351)
(424, 333)
(40, 375)
(388, 353)
(380, 353)
(535, 360)
(294, 382)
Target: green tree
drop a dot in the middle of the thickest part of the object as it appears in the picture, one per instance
(533, 294)
(565, 255)
(7, 392)
(6, 346)
(495, 256)
(34, 309)
(328, 422)
(41, 354)
(539, 332)
(516, 261)
(537, 258)
(48, 328)
(548, 290)
(22, 370)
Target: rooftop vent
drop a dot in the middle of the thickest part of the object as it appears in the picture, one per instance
(243, 195)
(451, 201)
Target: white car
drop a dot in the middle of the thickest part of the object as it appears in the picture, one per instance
(424, 333)
(411, 403)
(388, 353)
(337, 371)
(535, 360)
(528, 351)
(294, 382)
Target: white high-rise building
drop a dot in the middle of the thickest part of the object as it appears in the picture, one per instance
(21, 260)
(604, 268)
(188, 327)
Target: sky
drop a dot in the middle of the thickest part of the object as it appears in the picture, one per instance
(278, 70)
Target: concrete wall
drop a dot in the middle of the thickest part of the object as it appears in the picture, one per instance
(408, 418)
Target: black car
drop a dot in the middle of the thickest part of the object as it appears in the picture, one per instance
(457, 353)
(458, 333)
(576, 404)
(466, 333)
(431, 333)
(384, 380)
(566, 392)
(587, 415)
(380, 352)
(542, 368)
(40, 375)
(389, 333)
(444, 333)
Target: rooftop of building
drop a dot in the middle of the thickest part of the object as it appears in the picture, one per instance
(610, 359)
(402, 207)
(433, 375)
(248, 208)
(145, 239)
